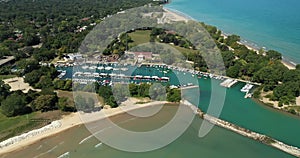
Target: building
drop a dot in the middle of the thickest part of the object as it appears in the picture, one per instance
(6, 60)
(73, 57)
(141, 56)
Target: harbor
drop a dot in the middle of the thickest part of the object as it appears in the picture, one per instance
(110, 73)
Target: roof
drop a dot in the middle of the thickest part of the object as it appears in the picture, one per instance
(6, 60)
(147, 55)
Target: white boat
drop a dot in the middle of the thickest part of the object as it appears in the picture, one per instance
(96, 74)
(92, 67)
(101, 68)
(147, 77)
(165, 78)
(155, 77)
(85, 67)
(108, 68)
(247, 88)
(124, 69)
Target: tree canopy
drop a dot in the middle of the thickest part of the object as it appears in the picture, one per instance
(14, 105)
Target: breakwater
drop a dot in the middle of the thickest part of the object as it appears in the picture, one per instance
(245, 132)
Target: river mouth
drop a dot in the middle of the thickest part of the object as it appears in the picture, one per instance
(78, 142)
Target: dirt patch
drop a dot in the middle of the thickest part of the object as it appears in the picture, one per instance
(17, 83)
(298, 101)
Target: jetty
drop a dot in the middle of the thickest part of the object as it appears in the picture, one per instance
(245, 132)
(228, 83)
(189, 87)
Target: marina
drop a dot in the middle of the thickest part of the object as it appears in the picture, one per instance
(228, 83)
(111, 73)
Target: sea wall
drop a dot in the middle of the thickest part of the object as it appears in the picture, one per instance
(16, 139)
(245, 132)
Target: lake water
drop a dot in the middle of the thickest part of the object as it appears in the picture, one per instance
(218, 143)
(274, 24)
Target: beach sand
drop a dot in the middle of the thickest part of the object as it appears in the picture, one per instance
(170, 16)
(76, 119)
(298, 101)
(289, 65)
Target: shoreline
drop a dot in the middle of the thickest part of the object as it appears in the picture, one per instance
(178, 13)
(290, 64)
(70, 121)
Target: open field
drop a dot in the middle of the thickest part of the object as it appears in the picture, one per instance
(143, 36)
(70, 95)
(139, 37)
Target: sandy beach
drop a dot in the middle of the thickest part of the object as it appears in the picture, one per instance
(288, 65)
(170, 15)
(76, 119)
(173, 15)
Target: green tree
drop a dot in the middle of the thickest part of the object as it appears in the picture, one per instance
(33, 77)
(174, 95)
(45, 103)
(232, 39)
(291, 75)
(68, 85)
(44, 82)
(273, 55)
(234, 71)
(14, 105)
(157, 92)
(120, 92)
(133, 89)
(4, 90)
(31, 39)
(63, 105)
(298, 66)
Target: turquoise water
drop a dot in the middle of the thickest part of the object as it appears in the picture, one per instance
(251, 115)
(274, 24)
(238, 110)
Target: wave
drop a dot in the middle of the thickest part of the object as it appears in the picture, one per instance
(180, 13)
(67, 154)
(85, 139)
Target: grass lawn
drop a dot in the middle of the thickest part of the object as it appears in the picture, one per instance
(3, 77)
(184, 50)
(139, 37)
(70, 96)
(12, 126)
(143, 36)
